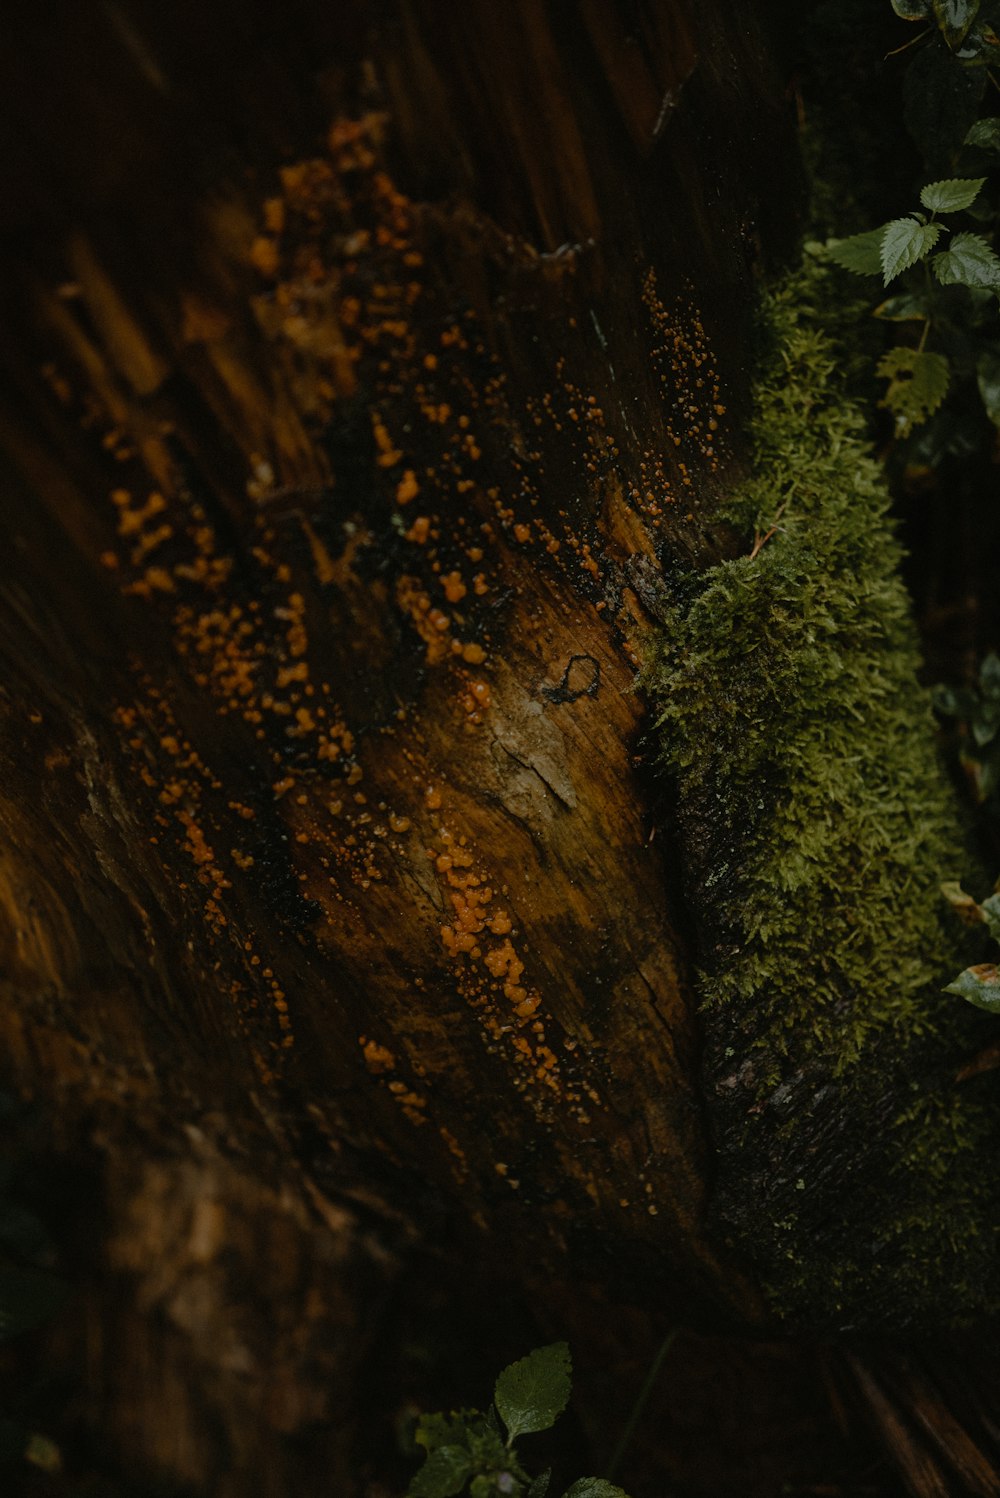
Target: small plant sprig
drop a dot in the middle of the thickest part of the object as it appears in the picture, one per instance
(468, 1450)
(955, 301)
(977, 711)
(980, 984)
(968, 28)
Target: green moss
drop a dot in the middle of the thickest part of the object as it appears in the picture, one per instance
(817, 827)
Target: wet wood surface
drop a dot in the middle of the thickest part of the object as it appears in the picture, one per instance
(353, 360)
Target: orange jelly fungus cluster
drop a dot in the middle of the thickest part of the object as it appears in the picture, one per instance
(351, 316)
(689, 379)
(479, 939)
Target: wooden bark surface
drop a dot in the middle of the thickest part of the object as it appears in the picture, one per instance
(357, 365)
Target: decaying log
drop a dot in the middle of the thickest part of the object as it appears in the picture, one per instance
(359, 366)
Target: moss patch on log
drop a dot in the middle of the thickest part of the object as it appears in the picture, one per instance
(854, 1172)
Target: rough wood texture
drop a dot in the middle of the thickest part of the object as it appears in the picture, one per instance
(352, 360)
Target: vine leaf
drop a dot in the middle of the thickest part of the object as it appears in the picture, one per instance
(904, 242)
(532, 1392)
(951, 194)
(954, 17)
(969, 261)
(861, 253)
(979, 985)
(985, 133)
(918, 383)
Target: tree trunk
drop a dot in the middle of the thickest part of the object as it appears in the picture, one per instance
(361, 365)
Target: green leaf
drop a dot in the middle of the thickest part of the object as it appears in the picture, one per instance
(443, 1474)
(988, 380)
(918, 383)
(904, 242)
(979, 48)
(531, 1393)
(540, 1486)
(964, 906)
(968, 261)
(487, 1448)
(906, 307)
(912, 10)
(951, 194)
(989, 674)
(954, 17)
(445, 1430)
(979, 985)
(954, 702)
(861, 253)
(985, 133)
(594, 1487)
(986, 722)
(991, 910)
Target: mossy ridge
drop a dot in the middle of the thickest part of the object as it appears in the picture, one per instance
(817, 827)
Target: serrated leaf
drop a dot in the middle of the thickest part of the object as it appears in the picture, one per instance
(487, 1448)
(985, 133)
(531, 1393)
(988, 380)
(954, 17)
(444, 1473)
(540, 1486)
(979, 985)
(594, 1487)
(968, 261)
(906, 307)
(860, 253)
(918, 383)
(951, 194)
(904, 242)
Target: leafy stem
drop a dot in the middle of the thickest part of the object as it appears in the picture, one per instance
(919, 380)
(466, 1451)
